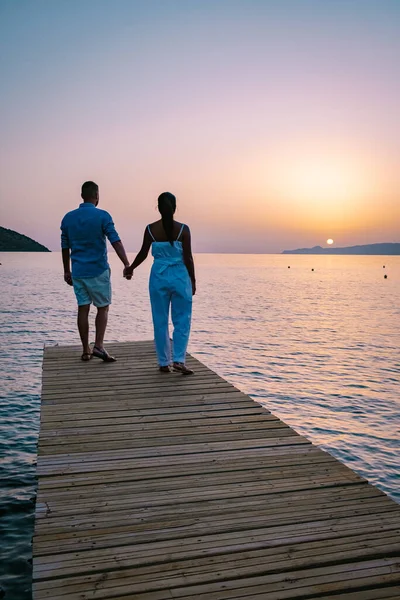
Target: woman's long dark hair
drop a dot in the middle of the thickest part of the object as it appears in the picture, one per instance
(167, 207)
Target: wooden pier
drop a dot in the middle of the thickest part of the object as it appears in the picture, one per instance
(157, 486)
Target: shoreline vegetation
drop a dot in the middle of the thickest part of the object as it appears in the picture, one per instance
(385, 249)
(12, 241)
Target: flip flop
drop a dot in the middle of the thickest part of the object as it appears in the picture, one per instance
(182, 368)
(86, 356)
(103, 354)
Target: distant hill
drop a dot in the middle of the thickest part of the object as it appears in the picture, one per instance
(11, 241)
(383, 249)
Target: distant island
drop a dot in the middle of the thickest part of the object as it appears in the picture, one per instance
(377, 249)
(12, 241)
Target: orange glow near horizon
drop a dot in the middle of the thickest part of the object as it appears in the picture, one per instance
(320, 185)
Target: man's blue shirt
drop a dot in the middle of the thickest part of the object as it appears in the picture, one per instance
(84, 231)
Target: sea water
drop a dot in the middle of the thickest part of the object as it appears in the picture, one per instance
(316, 343)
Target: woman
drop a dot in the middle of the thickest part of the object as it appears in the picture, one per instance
(172, 283)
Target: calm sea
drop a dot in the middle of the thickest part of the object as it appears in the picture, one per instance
(320, 348)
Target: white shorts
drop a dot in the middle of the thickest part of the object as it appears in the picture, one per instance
(93, 290)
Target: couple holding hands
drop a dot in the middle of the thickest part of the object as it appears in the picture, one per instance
(172, 279)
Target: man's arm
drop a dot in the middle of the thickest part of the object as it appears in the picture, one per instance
(141, 255)
(114, 239)
(65, 254)
(67, 268)
(120, 250)
(188, 256)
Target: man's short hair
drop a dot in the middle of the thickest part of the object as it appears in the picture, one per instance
(89, 190)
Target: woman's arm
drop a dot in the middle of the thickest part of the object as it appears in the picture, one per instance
(188, 256)
(141, 255)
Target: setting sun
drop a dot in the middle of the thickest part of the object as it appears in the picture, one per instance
(330, 241)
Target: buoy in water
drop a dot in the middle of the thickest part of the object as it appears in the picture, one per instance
(312, 269)
(384, 267)
(289, 267)
(385, 276)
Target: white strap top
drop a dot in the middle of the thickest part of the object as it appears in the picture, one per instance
(154, 239)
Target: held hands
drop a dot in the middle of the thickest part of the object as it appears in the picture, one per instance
(128, 272)
(68, 277)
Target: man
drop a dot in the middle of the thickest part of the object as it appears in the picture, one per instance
(83, 239)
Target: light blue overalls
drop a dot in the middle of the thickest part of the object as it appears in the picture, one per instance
(170, 284)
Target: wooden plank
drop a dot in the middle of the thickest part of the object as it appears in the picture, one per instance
(80, 415)
(128, 443)
(156, 436)
(135, 497)
(160, 393)
(159, 486)
(98, 521)
(129, 402)
(162, 461)
(98, 420)
(351, 496)
(140, 369)
(252, 470)
(138, 582)
(268, 477)
(48, 438)
(142, 380)
(222, 503)
(143, 545)
(152, 552)
(60, 510)
(146, 424)
(179, 449)
(109, 533)
(140, 473)
(326, 578)
(213, 567)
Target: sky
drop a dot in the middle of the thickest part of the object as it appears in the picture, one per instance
(274, 122)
